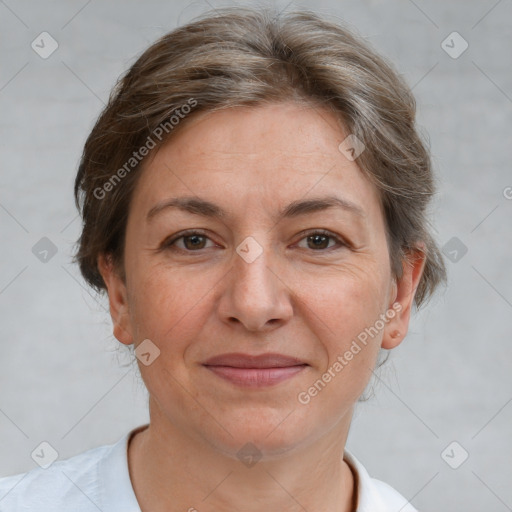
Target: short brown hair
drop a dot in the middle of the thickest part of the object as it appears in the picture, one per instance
(247, 57)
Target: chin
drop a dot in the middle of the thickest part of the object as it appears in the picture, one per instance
(268, 431)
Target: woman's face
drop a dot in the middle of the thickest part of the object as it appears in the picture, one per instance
(260, 270)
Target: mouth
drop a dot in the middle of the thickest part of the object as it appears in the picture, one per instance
(255, 370)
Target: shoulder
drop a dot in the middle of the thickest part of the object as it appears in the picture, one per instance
(392, 497)
(57, 486)
(373, 494)
(79, 483)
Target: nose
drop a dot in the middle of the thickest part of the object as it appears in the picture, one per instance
(255, 294)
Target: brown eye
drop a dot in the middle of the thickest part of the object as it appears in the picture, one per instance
(320, 240)
(187, 242)
(194, 241)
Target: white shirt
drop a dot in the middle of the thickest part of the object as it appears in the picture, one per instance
(98, 480)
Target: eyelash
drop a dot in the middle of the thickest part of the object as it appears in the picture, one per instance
(169, 244)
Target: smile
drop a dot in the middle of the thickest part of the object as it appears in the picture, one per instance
(256, 377)
(255, 371)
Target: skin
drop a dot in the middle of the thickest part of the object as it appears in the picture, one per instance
(295, 299)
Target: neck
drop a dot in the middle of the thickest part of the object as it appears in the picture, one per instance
(172, 471)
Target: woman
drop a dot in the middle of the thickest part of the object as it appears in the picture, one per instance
(254, 203)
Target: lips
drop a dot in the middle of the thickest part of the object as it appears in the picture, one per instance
(270, 360)
(255, 371)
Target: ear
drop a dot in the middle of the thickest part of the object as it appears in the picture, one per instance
(402, 298)
(117, 297)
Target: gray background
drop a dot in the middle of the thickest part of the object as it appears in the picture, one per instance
(62, 377)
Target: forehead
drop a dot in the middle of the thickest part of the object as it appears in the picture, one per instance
(259, 157)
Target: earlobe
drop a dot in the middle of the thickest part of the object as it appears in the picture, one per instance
(404, 291)
(117, 296)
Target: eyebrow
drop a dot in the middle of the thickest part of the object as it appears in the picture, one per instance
(205, 208)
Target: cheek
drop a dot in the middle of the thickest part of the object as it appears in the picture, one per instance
(346, 311)
(346, 300)
(165, 303)
(168, 308)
